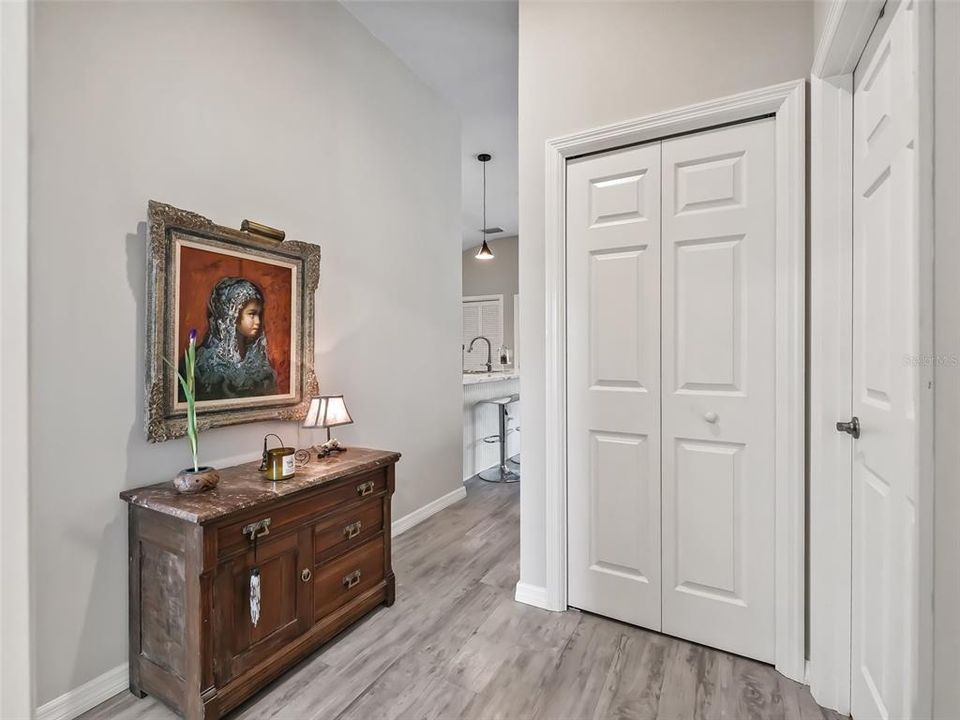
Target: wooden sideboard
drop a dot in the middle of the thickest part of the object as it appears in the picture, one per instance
(323, 555)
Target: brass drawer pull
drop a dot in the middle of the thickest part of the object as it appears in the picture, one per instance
(365, 488)
(257, 529)
(305, 575)
(352, 530)
(352, 579)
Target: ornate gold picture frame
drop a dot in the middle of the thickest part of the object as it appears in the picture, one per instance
(249, 301)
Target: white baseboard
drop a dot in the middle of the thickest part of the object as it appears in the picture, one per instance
(403, 524)
(535, 595)
(77, 701)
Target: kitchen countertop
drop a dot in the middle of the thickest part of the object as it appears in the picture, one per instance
(475, 378)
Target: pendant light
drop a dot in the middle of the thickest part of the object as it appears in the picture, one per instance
(484, 253)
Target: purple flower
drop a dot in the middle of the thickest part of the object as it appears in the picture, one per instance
(193, 335)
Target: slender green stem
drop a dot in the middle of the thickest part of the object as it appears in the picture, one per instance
(187, 384)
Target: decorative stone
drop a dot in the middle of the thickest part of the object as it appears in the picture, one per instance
(189, 481)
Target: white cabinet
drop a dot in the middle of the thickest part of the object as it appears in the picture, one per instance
(482, 317)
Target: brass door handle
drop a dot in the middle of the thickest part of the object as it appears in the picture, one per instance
(305, 575)
(352, 579)
(352, 530)
(365, 488)
(257, 529)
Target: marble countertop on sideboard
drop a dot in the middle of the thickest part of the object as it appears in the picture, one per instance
(243, 486)
(476, 378)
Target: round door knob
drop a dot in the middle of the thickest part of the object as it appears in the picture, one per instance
(306, 575)
(852, 427)
(711, 417)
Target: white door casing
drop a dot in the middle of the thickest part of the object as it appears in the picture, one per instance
(718, 388)
(885, 371)
(613, 336)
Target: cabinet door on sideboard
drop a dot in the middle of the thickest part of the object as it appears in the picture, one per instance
(285, 567)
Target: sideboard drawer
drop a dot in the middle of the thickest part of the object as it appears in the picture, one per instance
(346, 530)
(340, 581)
(291, 515)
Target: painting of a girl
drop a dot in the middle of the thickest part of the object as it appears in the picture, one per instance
(237, 304)
(247, 300)
(232, 360)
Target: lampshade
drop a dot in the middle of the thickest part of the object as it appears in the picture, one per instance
(485, 253)
(327, 411)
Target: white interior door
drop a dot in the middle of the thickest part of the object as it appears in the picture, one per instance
(613, 384)
(718, 395)
(885, 373)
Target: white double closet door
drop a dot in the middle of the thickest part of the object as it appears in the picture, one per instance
(671, 386)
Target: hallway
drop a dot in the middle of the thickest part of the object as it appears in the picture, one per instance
(456, 645)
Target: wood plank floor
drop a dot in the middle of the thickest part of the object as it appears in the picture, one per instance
(458, 646)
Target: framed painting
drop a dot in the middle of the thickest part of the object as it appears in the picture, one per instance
(250, 301)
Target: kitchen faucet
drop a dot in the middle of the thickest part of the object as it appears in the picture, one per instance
(489, 351)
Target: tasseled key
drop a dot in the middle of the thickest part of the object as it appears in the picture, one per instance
(255, 596)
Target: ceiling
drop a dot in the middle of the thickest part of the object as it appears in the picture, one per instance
(466, 50)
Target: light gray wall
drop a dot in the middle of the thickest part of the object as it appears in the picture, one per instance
(287, 113)
(499, 276)
(947, 369)
(585, 64)
(820, 10)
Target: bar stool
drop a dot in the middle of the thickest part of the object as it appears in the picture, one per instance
(500, 473)
(515, 459)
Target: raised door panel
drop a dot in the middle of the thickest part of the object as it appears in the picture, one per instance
(718, 400)
(284, 613)
(163, 634)
(618, 543)
(617, 332)
(709, 522)
(885, 372)
(613, 381)
(874, 291)
(619, 198)
(709, 315)
(709, 183)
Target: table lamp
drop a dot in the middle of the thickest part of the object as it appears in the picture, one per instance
(327, 411)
